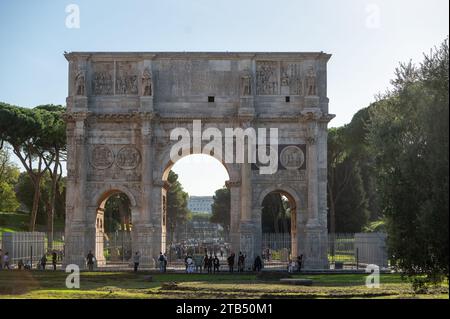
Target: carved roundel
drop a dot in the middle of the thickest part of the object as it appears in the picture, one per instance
(102, 157)
(128, 157)
(292, 157)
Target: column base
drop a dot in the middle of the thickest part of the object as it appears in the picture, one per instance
(315, 254)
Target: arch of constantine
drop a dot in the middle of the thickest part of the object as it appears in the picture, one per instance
(122, 107)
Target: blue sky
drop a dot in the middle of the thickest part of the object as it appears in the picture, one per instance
(368, 38)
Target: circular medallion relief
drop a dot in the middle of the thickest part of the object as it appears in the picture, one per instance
(102, 157)
(128, 157)
(292, 157)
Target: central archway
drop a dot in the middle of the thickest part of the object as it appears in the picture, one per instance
(201, 176)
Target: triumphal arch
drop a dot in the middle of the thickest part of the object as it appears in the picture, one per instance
(122, 108)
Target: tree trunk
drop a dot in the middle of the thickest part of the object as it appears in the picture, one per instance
(51, 213)
(36, 197)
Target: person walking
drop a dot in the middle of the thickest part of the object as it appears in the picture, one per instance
(257, 265)
(205, 262)
(165, 262)
(230, 260)
(90, 261)
(161, 261)
(186, 263)
(241, 262)
(6, 261)
(210, 264)
(43, 262)
(54, 259)
(136, 259)
(299, 263)
(216, 264)
(1, 259)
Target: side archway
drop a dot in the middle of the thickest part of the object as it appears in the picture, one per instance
(280, 242)
(114, 205)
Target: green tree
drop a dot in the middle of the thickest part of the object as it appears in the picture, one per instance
(221, 208)
(177, 200)
(30, 132)
(346, 195)
(409, 133)
(56, 148)
(117, 213)
(275, 216)
(25, 194)
(9, 174)
(356, 136)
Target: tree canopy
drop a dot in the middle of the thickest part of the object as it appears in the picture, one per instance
(408, 133)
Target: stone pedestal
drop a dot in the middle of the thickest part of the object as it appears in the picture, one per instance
(316, 248)
(74, 245)
(246, 107)
(147, 241)
(249, 242)
(146, 104)
(312, 101)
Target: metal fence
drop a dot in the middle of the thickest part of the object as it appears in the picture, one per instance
(276, 246)
(29, 247)
(114, 247)
(357, 250)
(349, 251)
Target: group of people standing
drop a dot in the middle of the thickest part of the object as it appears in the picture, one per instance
(43, 261)
(241, 262)
(211, 264)
(5, 261)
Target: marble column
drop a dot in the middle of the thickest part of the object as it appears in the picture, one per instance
(235, 216)
(312, 173)
(76, 231)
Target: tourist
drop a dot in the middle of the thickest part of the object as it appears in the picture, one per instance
(43, 262)
(216, 264)
(20, 264)
(6, 261)
(230, 260)
(1, 259)
(205, 262)
(165, 262)
(257, 265)
(241, 262)
(90, 261)
(161, 261)
(54, 259)
(210, 264)
(291, 265)
(190, 265)
(299, 262)
(185, 262)
(136, 259)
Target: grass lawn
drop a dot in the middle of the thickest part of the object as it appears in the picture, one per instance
(48, 284)
(12, 222)
(19, 221)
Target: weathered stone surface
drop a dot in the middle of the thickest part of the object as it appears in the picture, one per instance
(123, 106)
